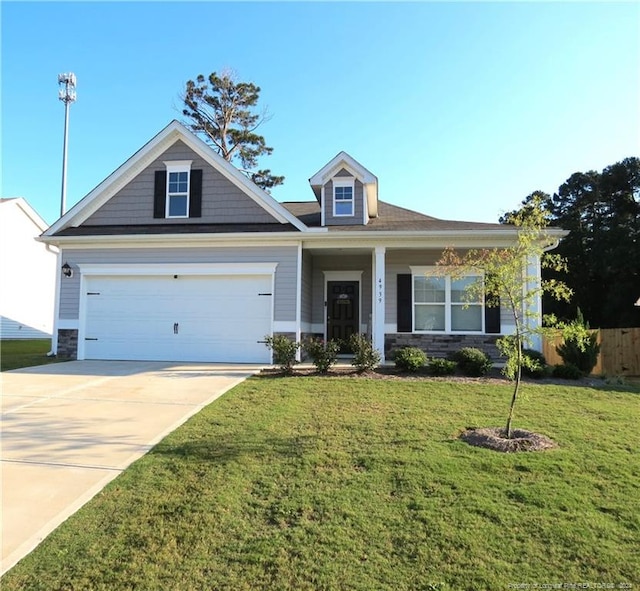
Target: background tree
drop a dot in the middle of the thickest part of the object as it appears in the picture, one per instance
(602, 213)
(221, 110)
(511, 283)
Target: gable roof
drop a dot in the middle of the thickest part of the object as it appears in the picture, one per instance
(367, 178)
(173, 132)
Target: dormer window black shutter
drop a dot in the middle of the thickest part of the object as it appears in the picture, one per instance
(404, 310)
(195, 194)
(160, 194)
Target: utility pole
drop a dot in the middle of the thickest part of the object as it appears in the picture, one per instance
(67, 94)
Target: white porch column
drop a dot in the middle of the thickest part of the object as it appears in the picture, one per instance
(534, 312)
(378, 316)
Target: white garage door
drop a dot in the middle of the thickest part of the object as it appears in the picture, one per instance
(186, 318)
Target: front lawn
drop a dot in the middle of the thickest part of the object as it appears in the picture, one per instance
(311, 483)
(17, 353)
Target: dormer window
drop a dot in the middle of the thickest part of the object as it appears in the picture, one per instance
(177, 191)
(177, 204)
(343, 197)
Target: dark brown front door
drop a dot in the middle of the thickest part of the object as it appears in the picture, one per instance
(343, 315)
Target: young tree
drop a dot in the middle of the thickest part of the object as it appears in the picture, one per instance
(511, 281)
(221, 110)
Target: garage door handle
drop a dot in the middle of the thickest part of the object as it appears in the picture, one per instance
(176, 326)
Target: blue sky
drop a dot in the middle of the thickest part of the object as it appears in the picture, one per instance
(460, 109)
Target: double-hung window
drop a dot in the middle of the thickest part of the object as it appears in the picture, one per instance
(343, 197)
(178, 173)
(442, 303)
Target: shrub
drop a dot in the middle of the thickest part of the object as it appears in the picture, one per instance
(323, 355)
(567, 372)
(365, 357)
(580, 346)
(284, 351)
(410, 359)
(534, 365)
(472, 362)
(442, 367)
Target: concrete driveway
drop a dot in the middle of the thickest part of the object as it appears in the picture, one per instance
(70, 428)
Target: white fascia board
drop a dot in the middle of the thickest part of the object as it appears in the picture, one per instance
(342, 160)
(148, 153)
(97, 197)
(418, 239)
(262, 198)
(174, 240)
(31, 213)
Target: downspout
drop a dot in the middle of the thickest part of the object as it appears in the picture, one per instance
(56, 301)
(299, 301)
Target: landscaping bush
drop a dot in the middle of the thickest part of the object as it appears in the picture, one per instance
(365, 357)
(284, 351)
(410, 359)
(472, 362)
(567, 372)
(323, 355)
(580, 346)
(442, 367)
(534, 365)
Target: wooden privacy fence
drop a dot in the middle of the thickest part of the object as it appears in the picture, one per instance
(619, 351)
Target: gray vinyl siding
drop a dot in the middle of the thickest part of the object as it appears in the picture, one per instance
(285, 277)
(222, 201)
(346, 263)
(358, 205)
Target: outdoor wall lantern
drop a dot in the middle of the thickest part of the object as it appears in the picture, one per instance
(67, 271)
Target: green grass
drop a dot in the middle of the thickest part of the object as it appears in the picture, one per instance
(18, 353)
(357, 484)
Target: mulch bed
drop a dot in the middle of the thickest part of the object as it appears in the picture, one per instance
(494, 438)
(389, 372)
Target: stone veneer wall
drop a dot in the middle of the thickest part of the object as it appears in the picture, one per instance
(441, 345)
(68, 343)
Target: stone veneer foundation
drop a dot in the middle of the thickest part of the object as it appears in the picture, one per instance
(441, 345)
(68, 343)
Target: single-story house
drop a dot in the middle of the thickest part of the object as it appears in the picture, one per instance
(178, 256)
(28, 271)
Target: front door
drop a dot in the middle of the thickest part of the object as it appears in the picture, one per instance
(343, 313)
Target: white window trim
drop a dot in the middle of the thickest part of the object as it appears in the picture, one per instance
(448, 304)
(344, 182)
(177, 166)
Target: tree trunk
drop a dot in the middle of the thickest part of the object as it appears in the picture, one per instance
(514, 397)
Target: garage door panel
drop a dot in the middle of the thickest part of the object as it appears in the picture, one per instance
(201, 318)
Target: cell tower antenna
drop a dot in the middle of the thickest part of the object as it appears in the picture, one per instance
(67, 94)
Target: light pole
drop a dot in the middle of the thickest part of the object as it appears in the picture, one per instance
(67, 94)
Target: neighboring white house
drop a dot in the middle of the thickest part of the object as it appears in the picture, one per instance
(28, 272)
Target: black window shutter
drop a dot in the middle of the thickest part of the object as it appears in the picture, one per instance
(160, 194)
(492, 314)
(404, 312)
(195, 194)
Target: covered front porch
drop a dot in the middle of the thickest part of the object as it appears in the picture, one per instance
(384, 292)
